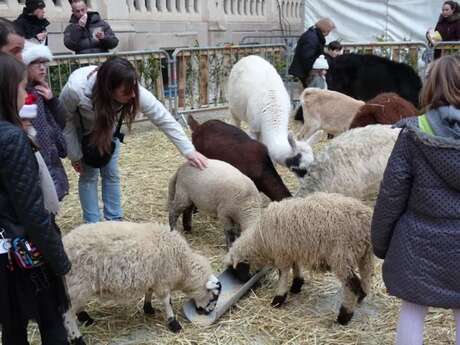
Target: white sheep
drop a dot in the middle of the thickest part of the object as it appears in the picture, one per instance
(258, 96)
(119, 260)
(351, 164)
(323, 232)
(326, 110)
(220, 190)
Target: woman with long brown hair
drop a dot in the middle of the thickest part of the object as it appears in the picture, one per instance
(97, 100)
(27, 291)
(416, 224)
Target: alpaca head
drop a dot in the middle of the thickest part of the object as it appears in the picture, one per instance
(301, 154)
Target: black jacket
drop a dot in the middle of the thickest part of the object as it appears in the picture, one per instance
(82, 40)
(29, 26)
(21, 200)
(309, 46)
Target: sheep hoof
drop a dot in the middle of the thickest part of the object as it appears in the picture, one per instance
(278, 301)
(148, 309)
(344, 316)
(85, 319)
(297, 284)
(78, 341)
(174, 325)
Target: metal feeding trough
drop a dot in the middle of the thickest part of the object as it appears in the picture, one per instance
(232, 290)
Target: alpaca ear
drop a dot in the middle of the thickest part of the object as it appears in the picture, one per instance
(292, 141)
(315, 138)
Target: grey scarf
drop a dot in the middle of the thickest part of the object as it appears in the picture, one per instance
(445, 122)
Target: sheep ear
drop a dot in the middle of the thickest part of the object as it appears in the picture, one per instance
(292, 141)
(315, 138)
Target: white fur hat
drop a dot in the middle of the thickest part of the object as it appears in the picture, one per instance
(321, 63)
(33, 51)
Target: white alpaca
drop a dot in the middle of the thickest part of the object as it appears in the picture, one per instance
(257, 95)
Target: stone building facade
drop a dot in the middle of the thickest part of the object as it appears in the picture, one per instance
(148, 24)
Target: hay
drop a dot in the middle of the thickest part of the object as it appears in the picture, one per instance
(147, 162)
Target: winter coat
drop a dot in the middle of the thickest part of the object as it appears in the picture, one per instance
(82, 40)
(449, 28)
(416, 222)
(21, 199)
(309, 46)
(30, 26)
(49, 124)
(76, 98)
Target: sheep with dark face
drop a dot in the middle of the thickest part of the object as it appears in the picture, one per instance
(257, 95)
(323, 232)
(219, 140)
(118, 260)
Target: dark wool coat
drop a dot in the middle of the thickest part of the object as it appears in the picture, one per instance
(82, 41)
(449, 28)
(309, 46)
(416, 222)
(49, 124)
(29, 26)
(21, 198)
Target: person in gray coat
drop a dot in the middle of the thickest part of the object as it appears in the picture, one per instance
(416, 222)
(87, 33)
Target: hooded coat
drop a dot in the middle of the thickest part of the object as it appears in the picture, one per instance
(83, 41)
(416, 222)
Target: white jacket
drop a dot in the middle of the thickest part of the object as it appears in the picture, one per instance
(76, 96)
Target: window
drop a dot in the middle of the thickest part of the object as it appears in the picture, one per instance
(251, 7)
(196, 6)
(136, 5)
(148, 5)
(245, 7)
(240, 5)
(178, 6)
(232, 6)
(257, 7)
(263, 7)
(168, 5)
(158, 5)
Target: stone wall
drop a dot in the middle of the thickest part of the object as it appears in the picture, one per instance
(148, 24)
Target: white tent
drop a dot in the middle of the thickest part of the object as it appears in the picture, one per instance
(371, 20)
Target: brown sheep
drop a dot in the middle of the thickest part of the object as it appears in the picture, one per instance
(386, 108)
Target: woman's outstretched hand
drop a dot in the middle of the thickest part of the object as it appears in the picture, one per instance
(197, 160)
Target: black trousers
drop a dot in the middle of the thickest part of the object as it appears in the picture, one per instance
(52, 332)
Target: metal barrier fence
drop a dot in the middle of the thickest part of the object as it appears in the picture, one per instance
(200, 74)
(149, 64)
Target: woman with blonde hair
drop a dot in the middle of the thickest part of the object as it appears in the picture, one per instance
(416, 224)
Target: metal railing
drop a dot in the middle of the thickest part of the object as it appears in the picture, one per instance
(149, 64)
(200, 74)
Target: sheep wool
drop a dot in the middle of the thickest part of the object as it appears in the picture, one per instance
(351, 164)
(220, 190)
(323, 232)
(119, 260)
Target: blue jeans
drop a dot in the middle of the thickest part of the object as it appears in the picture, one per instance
(111, 191)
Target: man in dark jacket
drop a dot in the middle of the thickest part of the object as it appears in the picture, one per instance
(32, 22)
(87, 33)
(309, 46)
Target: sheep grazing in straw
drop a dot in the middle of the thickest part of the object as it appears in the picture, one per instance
(257, 95)
(324, 232)
(351, 164)
(387, 108)
(325, 110)
(116, 260)
(220, 190)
